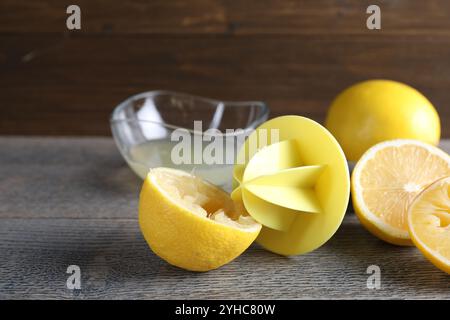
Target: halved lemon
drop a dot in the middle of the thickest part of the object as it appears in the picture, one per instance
(429, 223)
(387, 178)
(190, 223)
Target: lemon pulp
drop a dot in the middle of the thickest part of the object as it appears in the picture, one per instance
(387, 178)
(429, 223)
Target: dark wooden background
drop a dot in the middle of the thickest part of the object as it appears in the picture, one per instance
(296, 55)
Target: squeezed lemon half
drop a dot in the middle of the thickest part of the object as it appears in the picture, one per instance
(387, 178)
(190, 223)
(429, 223)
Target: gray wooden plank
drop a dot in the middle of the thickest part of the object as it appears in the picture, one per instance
(73, 201)
(68, 178)
(116, 263)
(65, 178)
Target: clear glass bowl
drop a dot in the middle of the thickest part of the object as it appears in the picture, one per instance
(143, 128)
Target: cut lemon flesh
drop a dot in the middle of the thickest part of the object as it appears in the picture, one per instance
(190, 223)
(429, 223)
(387, 178)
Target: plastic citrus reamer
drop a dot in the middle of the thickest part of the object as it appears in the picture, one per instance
(296, 186)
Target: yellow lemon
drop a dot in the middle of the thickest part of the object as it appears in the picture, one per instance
(378, 110)
(190, 223)
(387, 178)
(429, 223)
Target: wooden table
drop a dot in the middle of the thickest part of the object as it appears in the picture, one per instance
(66, 201)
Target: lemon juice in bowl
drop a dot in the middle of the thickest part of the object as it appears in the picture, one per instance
(158, 153)
(144, 124)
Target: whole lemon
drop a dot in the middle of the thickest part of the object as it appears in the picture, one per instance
(373, 111)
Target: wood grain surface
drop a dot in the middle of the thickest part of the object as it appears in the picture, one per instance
(67, 201)
(295, 55)
(249, 17)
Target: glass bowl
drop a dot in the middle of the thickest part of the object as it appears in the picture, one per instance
(149, 127)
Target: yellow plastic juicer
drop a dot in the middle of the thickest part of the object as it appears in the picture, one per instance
(295, 183)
